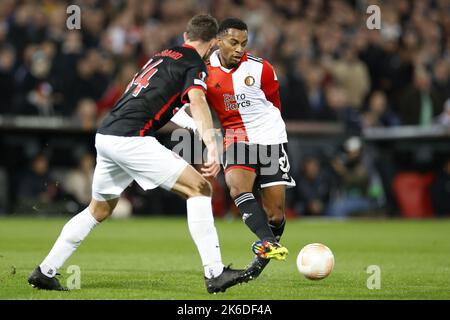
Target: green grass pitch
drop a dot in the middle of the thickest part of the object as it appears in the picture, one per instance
(155, 258)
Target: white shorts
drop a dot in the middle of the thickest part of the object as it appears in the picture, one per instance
(120, 160)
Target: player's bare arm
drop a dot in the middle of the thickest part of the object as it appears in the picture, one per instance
(202, 117)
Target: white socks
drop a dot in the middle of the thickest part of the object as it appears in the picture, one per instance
(74, 231)
(204, 234)
(201, 227)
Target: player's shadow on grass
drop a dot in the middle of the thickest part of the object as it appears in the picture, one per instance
(125, 284)
(153, 280)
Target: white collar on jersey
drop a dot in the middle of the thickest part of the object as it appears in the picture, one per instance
(214, 61)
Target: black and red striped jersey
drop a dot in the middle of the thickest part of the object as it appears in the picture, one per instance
(156, 92)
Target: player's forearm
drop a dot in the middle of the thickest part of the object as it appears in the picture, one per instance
(203, 120)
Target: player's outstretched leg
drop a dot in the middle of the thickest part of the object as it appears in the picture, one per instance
(267, 247)
(198, 192)
(273, 200)
(240, 182)
(73, 232)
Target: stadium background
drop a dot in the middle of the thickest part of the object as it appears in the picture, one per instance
(367, 114)
(388, 89)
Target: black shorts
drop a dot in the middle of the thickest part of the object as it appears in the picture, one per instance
(269, 162)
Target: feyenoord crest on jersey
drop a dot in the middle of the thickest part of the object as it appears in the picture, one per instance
(249, 81)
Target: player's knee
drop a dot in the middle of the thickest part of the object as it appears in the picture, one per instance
(201, 188)
(205, 188)
(101, 214)
(100, 211)
(236, 191)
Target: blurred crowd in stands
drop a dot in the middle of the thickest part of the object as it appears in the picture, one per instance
(330, 66)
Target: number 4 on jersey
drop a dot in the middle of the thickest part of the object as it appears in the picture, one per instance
(141, 80)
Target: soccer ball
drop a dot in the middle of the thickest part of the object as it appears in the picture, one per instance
(315, 261)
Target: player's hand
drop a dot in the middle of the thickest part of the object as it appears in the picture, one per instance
(212, 166)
